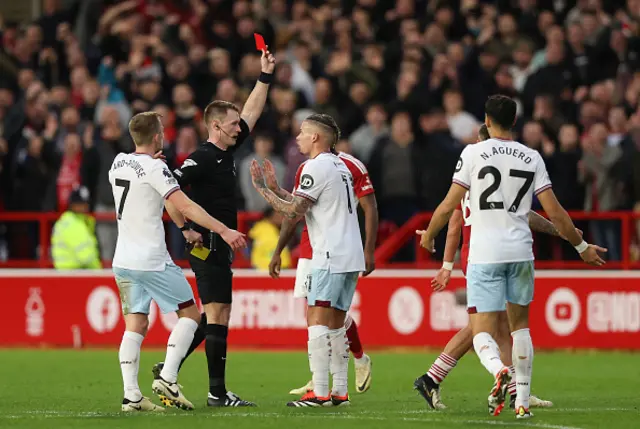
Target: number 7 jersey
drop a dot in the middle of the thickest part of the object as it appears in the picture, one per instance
(332, 220)
(502, 176)
(140, 186)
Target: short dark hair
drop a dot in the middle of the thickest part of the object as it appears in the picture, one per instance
(218, 109)
(483, 133)
(144, 126)
(502, 110)
(327, 122)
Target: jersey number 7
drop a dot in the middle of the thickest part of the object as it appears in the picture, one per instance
(124, 184)
(485, 204)
(346, 184)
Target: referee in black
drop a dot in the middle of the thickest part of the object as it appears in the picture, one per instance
(210, 172)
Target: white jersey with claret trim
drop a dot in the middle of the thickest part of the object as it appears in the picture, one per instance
(140, 186)
(502, 177)
(332, 220)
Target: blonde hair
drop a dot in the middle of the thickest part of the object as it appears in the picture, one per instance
(218, 109)
(144, 126)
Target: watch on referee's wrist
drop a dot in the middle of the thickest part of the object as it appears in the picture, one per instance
(185, 227)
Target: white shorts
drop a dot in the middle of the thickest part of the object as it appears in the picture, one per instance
(303, 278)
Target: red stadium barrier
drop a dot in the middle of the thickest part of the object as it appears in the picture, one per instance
(394, 308)
(384, 253)
(406, 234)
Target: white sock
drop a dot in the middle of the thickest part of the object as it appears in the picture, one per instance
(177, 346)
(488, 351)
(319, 359)
(129, 356)
(339, 361)
(523, 362)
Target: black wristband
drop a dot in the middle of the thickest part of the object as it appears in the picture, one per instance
(265, 78)
(185, 227)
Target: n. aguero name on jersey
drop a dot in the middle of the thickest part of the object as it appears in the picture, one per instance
(504, 150)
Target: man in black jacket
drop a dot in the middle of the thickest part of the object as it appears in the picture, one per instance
(210, 172)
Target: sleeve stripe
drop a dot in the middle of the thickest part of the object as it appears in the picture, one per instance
(544, 188)
(464, 185)
(355, 161)
(171, 191)
(303, 195)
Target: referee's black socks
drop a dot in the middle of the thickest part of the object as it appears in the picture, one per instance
(216, 348)
(198, 337)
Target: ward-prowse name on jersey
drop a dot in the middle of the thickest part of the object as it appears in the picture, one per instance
(140, 185)
(502, 177)
(332, 220)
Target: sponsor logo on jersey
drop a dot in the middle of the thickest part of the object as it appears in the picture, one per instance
(459, 165)
(306, 181)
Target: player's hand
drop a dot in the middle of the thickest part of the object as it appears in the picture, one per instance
(257, 176)
(234, 239)
(370, 263)
(268, 61)
(159, 155)
(270, 175)
(274, 266)
(426, 242)
(591, 256)
(193, 237)
(441, 280)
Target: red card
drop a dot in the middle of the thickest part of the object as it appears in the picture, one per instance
(260, 45)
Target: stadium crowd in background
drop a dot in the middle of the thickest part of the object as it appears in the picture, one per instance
(406, 80)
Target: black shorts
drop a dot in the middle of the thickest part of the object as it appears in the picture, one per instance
(214, 276)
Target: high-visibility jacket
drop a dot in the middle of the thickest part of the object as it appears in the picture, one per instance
(265, 240)
(74, 245)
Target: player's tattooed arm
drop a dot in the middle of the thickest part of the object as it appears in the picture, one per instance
(271, 180)
(294, 209)
(541, 224)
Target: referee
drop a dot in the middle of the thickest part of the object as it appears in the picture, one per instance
(210, 171)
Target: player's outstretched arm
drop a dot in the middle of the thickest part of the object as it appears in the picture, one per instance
(441, 280)
(193, 211)
(255, 103)
(441, 216)
(370, 208)
(541, 224)
(564, 224)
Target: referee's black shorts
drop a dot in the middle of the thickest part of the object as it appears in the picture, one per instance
(213, 275)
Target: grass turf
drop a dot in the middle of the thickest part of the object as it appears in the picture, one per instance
(82, 389)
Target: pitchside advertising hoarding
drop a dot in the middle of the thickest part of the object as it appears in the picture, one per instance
(394, 308)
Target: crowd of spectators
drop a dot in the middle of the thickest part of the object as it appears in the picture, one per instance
(406, 81)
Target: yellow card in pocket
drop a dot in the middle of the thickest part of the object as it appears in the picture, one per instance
(200, 252)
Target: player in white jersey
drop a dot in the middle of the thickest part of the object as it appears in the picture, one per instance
(142, 186)
(326, 198)
(502, 176)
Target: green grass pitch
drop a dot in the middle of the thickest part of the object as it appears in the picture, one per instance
(82, 389)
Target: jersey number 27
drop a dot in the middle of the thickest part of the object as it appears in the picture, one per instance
(485, 204)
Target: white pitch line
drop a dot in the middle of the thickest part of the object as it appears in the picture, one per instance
(427, 416)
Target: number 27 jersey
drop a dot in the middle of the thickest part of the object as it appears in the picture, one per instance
(502, 177)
